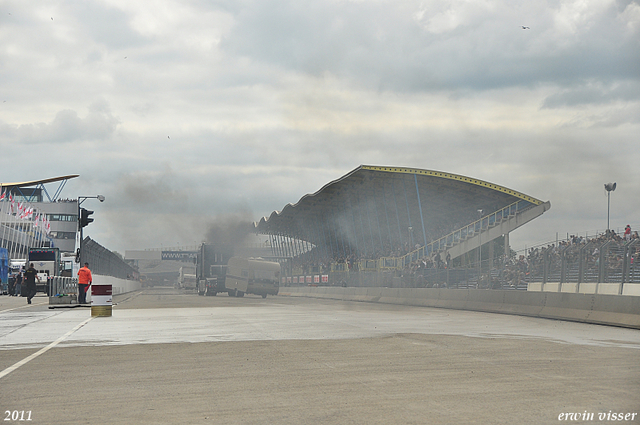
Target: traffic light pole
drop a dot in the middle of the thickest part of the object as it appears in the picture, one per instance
(84, 220)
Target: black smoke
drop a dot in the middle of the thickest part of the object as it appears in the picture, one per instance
(229, 233)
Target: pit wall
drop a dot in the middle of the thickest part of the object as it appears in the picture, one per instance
(119, 286)
(603, 309)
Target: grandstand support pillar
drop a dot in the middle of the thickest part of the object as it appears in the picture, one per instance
(373, 243)
(386, 213)
(318, 241)
(491, 244)
(375, 204)
(424, 233)
(276, 244)
(507, 248)
(291, 246)
(395, 201)
(282, 247)
(347, 232)
(353, 218)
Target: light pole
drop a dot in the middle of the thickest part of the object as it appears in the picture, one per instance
(480, 247)
(83, 220)
(609, 187)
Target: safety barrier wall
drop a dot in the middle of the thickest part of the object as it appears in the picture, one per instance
(120, 286)
(614, 310)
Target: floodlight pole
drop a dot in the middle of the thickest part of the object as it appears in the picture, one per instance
(608, 208)
(609, 187)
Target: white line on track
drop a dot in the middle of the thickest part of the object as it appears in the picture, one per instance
(43, 350)
(24, 306)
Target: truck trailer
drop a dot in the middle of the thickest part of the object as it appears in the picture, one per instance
(252, 276)
(47, 262)
(211, 269)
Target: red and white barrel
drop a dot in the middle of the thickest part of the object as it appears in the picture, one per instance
(101, 300)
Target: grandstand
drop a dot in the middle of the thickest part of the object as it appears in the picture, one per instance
(26, 208)
(385, 218)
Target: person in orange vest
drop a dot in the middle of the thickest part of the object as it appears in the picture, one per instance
(84, 281)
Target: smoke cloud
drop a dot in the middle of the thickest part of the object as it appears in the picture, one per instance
(229, 232)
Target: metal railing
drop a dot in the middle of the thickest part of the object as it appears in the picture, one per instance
(471, 230)
(58, 285)
(598, 260)
(104, 262)
(447, 241)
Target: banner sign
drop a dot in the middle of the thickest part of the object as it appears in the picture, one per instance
(188, 256)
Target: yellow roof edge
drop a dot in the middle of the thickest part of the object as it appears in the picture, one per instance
(457, 177)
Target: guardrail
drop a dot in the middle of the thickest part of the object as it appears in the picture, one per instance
(457, 236)
(58, 285)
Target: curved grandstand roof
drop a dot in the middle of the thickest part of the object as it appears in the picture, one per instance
(373, 209)
(42, 181)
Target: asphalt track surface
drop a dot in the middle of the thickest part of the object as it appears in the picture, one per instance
(169, 357)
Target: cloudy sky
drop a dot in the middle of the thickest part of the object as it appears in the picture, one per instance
(184, 113)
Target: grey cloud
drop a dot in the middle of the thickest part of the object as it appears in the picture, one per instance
(622, 4)
(66, 127)
(383, 45)
(105, 25)
(626, 91)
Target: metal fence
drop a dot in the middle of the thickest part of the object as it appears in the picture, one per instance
(104, 262)
(599, 260)
(58, 285)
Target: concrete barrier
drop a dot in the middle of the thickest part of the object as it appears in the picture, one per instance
(588, 288)
(569, 287)
(551, 287)
(617, 310)
(631, 289)
(609, 288)
(120, 286)
(534, 286)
